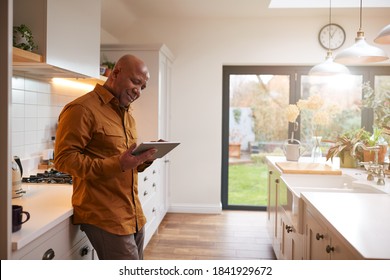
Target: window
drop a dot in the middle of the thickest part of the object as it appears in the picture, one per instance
(254, 100)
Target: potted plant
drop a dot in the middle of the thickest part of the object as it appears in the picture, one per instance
(374, 139)
(235, 138)
(23, 38)
(343, 146)
(106, 66)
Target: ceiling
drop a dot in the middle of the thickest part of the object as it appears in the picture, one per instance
(237, 8)
(119, 13)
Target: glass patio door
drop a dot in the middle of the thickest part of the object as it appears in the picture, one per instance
(256, 126)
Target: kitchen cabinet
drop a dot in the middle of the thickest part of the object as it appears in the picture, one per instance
(151, 112)
(274, 223)
(291, 241)
(68, 40)
(286, 241)
(62, 242)
(321, 243)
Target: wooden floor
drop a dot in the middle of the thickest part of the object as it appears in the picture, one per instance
(228, 236)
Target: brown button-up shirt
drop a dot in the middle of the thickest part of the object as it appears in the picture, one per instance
(93, 131)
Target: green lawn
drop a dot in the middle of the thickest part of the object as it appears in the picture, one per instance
(248, 184)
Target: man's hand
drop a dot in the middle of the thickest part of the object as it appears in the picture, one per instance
(129, 161)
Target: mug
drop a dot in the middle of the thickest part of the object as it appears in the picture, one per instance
(17, 217)
(293, 150)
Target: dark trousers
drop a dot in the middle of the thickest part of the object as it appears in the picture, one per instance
(110, 246)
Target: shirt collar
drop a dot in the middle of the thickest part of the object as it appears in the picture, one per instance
(105, 95)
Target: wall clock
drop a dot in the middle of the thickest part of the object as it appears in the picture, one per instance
(337, 36)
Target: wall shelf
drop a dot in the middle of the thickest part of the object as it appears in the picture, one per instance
(19, 55)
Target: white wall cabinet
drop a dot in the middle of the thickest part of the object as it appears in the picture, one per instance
(151, 112)
(67, 37)
(321, 243)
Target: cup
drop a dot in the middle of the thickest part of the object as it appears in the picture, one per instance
(17, 217)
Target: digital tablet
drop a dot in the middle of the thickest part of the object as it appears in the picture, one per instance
(162, 148)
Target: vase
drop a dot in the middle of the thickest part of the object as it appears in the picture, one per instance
(316, 152)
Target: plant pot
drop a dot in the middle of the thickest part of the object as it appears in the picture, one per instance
(347, 160)
(235, 150)
(370, 155)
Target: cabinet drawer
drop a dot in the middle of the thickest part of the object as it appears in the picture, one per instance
(82, 251)
(54, 244)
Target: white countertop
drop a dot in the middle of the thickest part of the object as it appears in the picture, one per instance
(48, 205)
(362, 219)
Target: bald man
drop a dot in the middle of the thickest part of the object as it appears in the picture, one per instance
(95, 138)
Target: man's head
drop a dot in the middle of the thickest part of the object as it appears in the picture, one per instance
(128, 79)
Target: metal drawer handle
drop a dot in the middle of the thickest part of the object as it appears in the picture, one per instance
(289, 228)
(145, 178)
(145, 193)
(49, 255)
(154, 209)
(319, 236)
(84, 250)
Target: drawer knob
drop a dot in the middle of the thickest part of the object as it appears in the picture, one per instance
(84, 250)
(145, 178)
(154, 171)
(154, 185)
(319, 236)
(289, 228)
(49, 254)
(145, 193)
(154, 210)
(277, 181)
(329, 249)
(270, 172)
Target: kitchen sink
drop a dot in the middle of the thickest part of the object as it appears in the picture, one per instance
(292, 185)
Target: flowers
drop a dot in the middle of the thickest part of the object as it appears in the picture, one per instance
(317, 111)
(292, 113)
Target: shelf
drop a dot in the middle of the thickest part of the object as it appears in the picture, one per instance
(20, 55)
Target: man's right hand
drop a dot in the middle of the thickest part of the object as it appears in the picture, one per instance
(129, 161)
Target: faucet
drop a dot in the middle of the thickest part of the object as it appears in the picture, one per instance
(374, 168)
(364, 147)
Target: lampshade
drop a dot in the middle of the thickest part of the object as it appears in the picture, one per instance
(361, 52)
(384, 36)
(328, 67)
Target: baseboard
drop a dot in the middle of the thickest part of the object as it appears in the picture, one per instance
(195, 208)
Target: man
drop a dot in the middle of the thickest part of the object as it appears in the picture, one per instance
(95, 139)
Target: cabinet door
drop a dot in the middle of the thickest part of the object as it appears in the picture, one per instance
(316, 239)
(291, 247)
(274, 222)
(339, 251)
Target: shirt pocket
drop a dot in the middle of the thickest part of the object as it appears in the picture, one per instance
(114, 139)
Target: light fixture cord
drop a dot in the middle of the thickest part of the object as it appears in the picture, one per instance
(330, 22)
(361, 8)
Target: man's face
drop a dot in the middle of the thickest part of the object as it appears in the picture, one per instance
(130, 82)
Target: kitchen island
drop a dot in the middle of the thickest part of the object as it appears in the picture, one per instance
(323, 216)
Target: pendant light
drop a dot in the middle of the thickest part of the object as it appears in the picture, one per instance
(328, 67)
(384, 36)
(361, 51)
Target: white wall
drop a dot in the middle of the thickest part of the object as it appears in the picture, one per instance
(201, 48)
(35, 107)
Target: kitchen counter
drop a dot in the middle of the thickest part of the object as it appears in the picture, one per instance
(48, 205)
(359, 217)
(362, 219)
